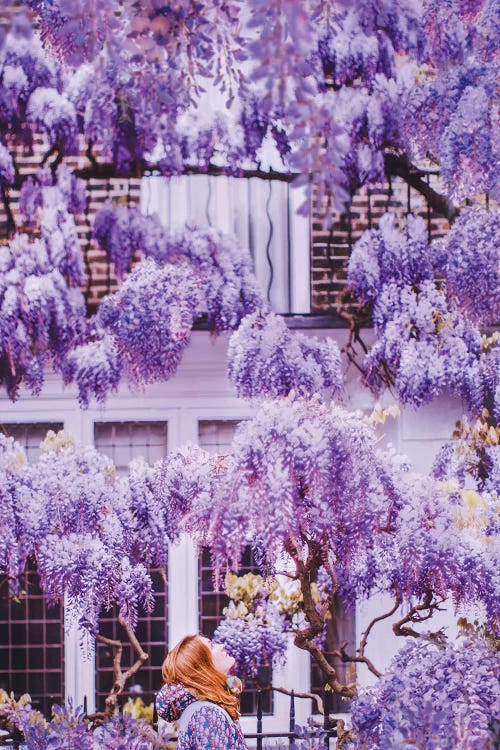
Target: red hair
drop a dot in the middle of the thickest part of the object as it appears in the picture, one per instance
(191, 663)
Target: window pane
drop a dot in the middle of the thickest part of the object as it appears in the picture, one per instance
(25, 657)
(30, 435)
(216, 437)
(123, 441)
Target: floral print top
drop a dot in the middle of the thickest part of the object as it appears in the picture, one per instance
(208, 728)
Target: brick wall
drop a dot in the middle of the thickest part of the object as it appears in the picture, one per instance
(332, 237)
(100, 277)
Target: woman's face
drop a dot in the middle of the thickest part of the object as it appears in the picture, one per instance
(222, 661)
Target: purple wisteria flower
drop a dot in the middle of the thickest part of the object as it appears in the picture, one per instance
(432, 696)
(253, 637)
(95, 535)
(425, 344)
(54, 114)
(307, 473)
(150, 319)
(41, 316)
(469, 257)
(267, 360)
(230, 289)
(7, 170)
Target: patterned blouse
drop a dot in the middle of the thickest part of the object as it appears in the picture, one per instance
(208, 728)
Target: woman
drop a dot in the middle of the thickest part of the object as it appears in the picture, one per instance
(199, 694)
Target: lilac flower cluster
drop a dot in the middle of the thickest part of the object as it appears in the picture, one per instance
(41, 316)
(432, 696)
(469, 254)
(7, 171)
(150, 319)
(265, 359)
(50, 112)
(95, 368)
(25, 67)
(186, 478)
(94, 535)
(253, 637)
(433, 548)
(450, 114)
(225, 272)
(302, 470)
(13, 548)
(121, 231)
(69, 727)
(424, 345)
(311, 473)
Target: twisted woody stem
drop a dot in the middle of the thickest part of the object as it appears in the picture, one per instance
(120, 676)
(307, 574)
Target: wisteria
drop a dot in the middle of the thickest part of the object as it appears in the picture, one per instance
(41, 306)
(432, 696)
(70, 725)
(306, 480)
(424, 344)
(265, 359)
(41, 316)
(94, 535)
(225, 272)
(341, 95)
(150, 318)
(121, 231)
(6, 166)
(469, 256)
(253, 637)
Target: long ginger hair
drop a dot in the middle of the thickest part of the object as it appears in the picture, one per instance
(191, 663)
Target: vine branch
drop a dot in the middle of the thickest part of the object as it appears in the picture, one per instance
(120, 677)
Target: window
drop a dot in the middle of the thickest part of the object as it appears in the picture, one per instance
(31, 633)
(216, 437)
(30, 435)
(341, 627)
(122, 441)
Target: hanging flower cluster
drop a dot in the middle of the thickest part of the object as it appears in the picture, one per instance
(94, 535)
(432, 696)
(424, 344)
(122, 231)
(42, 310)
(26, 67)
(150, 319)
(450, 114)
(222, 268)
(70, 727)
(225, 272)
(469, 257)
(7, 170)
(265, 359)
(41, 317)
(52, 113)
(253, 637)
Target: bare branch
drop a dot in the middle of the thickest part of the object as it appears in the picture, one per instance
(415, 615)
(119, 677)
(366, 633)
(361, 659)
(307, 573)
(401, 166)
